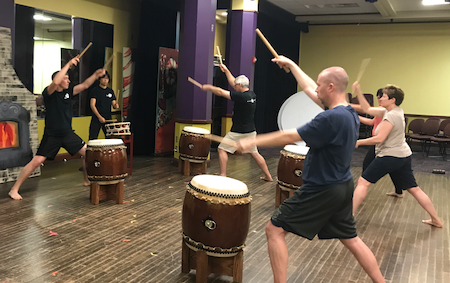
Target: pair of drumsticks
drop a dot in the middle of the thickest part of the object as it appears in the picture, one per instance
(362, 68)
(87, 47)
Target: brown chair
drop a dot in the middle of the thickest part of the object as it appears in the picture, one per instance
(442, 126)
(442, 141)
(429, 129)
(414, 129)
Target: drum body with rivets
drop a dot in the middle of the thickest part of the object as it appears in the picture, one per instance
(106, 161)
(216, 215)
(193, 145)
(290, 166)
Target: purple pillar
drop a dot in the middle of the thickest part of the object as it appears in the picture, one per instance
(196, 60)
(241, 46)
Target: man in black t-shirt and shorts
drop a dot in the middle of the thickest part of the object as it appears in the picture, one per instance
(102, 98)
(58, 130)
(323, 205)
(243, 119)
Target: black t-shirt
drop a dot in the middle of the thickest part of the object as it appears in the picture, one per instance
(104, 98)
(58, 111)
(243, 111)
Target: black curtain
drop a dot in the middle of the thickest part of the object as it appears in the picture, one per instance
(101, 35)
(24, 45)
(273, 85)
(157, 29)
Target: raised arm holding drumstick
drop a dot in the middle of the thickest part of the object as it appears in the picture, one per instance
(243, 119)
(58, 130)
(323, 205)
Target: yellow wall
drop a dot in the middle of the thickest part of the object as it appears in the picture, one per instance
(220, 38)
(413, 56)
(124, 15)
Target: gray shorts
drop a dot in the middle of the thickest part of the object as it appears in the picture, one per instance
(235, 137)
(324, 211)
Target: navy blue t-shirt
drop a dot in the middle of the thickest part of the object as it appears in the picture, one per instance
(58, 111)
(243, 111)
(331, 136)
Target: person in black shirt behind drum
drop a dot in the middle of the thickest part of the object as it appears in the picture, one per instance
(243, 119)
(58, 130)
(102, 98)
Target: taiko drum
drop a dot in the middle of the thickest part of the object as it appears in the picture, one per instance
(216, 215)
(193, 145)
(106, 161)
(290, 166)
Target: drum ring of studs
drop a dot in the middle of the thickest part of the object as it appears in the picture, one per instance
(209, 223)
(298, 172)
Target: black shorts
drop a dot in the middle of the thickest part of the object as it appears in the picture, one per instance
(399, 168)
(51, 144)
(326, 212)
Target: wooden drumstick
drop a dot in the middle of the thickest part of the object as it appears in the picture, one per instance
(109, 61)
(84, 51)
(220, 55)
(364, 64)
(269, 46)
(221, 140)
(111, 121)
(195, 82)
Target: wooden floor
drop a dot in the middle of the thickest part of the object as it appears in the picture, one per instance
(140, 241)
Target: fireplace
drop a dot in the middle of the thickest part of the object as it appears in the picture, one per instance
(18, 122)
(15, 147)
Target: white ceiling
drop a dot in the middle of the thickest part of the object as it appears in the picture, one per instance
(360, 11)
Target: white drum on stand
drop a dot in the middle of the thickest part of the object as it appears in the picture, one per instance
(296, 111)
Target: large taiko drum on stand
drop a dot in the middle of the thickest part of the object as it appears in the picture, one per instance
(106, 161)
(193, 145)
(216, 215)
(118, 129)
(290, 166)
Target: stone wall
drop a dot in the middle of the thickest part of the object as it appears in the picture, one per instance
(12, 90)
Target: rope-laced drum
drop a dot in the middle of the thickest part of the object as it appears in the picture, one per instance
(216, 215)
(106, 161)
(290, 166)
(118, 129)
(193, 145)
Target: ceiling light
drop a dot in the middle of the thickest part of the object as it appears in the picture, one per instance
(41, 18)
(36, 38)
(434, 2)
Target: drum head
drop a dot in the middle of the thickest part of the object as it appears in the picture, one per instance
(196, 130)
(297, 149)
(105, 142)
(296, 111)
(219, 184)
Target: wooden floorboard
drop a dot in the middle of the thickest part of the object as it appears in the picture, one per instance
(140, 240)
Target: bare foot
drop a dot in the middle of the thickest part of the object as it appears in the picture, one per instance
(394, 195)
(86, 183)
(14, 195)
(437, 223)
(267, 179)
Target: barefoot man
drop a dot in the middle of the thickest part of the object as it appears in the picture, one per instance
(323, 205)
(243, 120)
(58, 130)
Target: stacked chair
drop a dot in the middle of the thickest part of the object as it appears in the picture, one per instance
(429, 129)
(443, 138)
